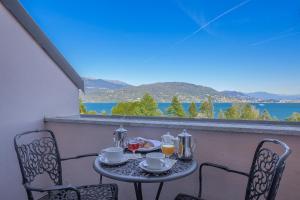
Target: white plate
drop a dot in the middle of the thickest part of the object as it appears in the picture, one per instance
(107, 162)
(156, 143)
(143, 165)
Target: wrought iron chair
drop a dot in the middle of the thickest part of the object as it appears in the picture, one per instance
(265, 173)
(38, 156)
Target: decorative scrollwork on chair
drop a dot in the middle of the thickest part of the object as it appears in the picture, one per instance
(38, 157)
(262, 174)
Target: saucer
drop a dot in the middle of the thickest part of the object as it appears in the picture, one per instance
(107, 162)
(143, 165)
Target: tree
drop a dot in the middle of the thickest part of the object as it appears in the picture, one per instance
(175, 109)
(233, 112)
(265, 115)
(126, 109)
(207, 109)
(295, 117)
(148, 106)
(242, 111)
(82, 108)
(193, 110)
(249, 112)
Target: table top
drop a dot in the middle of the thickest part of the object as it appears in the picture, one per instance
(131, 172)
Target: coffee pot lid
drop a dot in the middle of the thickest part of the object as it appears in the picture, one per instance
(121, 129)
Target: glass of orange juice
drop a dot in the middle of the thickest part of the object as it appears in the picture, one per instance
(168, 148)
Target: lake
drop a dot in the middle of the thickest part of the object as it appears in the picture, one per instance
(279, 110)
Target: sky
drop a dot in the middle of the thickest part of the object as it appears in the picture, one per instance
(250, 45)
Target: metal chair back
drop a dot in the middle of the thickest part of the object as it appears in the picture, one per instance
(266, 171)
(38, 154)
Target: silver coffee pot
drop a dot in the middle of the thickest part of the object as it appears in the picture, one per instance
(185, 146)
(120, 137)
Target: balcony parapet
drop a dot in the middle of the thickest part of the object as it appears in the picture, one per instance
(214, 125)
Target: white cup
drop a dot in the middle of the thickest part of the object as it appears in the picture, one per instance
(155, 160)
(113, 154)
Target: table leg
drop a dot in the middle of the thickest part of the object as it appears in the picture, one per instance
(159, 190)
(140, 191)
(136, 191)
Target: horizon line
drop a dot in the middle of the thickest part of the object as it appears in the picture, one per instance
(227, 90)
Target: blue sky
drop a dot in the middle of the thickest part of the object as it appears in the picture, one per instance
(250, 45)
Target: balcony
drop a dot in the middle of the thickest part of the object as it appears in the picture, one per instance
(231, 143)
(37, 81)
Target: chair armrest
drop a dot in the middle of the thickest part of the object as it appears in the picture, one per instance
(80, 156)
(225, 168)
(83, 156)
(50, 188)
(53, 189)
(222, 167)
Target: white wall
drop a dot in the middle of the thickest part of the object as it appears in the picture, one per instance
(31, 87)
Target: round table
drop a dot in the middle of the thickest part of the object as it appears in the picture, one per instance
(131, 172)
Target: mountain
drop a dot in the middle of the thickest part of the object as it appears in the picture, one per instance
(237, 95)
(162, 92)
(121, 83)
(100, 90)
(90, 83)
(266, 96)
